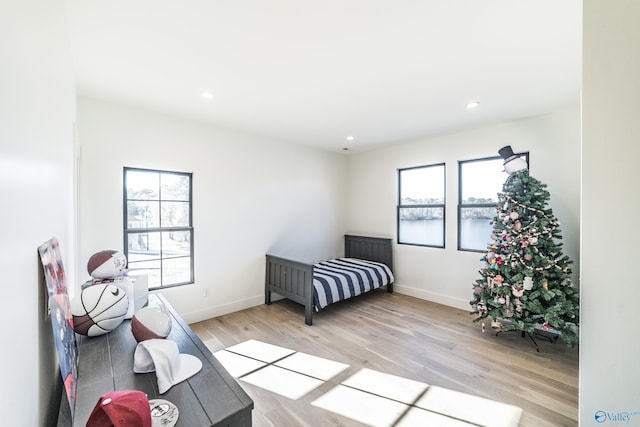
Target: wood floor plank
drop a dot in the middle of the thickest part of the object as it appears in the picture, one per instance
(410, 338)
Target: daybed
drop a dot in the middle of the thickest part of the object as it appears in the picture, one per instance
(367, 265)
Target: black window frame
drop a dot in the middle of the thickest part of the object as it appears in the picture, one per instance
(462, 205)
(160, 228)
(442, 205)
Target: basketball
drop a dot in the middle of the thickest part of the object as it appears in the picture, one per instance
(151, 322)
(106, 264)
(99, 309)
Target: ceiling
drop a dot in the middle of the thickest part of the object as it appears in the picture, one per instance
(316, 71)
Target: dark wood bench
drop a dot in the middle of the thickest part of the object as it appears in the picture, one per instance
(212, 397)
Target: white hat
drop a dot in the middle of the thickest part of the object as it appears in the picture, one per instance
(163, 357)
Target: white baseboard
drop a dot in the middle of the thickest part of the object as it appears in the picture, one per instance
(219, 310)
(447, 300)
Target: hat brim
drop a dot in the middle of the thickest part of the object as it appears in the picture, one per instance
(189, 366)
(510, 158)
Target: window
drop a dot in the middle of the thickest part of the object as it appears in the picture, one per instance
(480, 182)
(158, 231)
(421, 205)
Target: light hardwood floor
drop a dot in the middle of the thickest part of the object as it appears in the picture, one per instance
(410, 338)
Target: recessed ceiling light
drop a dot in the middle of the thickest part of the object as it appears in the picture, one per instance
(207, 95)
(473, 104)
(350, 138)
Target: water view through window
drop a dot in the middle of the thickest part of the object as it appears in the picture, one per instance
(480, 182)
(421, 212)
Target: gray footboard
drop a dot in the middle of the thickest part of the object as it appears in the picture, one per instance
(294, 280)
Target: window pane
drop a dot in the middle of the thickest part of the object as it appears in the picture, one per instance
(175, 214)
(480, 183)
(176, 243)
(143, 246)
(481, 180)
(476, 227)
(421, 226)
(424, 185)
(158, 229)
(151, 268)
(143, 214)
(142, 184)
(175, 187)
(176, 270)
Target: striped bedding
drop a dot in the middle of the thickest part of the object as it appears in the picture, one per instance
(342, 278)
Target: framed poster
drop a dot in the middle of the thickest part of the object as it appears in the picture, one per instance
(61, 319)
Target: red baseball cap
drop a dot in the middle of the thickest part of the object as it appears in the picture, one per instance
(126, 408)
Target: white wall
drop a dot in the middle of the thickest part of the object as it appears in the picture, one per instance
(610, 349)
(251, 196)
(37, 192)
(446, 275)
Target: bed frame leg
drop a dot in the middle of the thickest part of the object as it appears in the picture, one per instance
(308, 315)
(390, 288)
(267, 297)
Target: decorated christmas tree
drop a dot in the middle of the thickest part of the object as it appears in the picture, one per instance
(525, 284)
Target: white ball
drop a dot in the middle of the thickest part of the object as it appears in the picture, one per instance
(106, 264)
(151, 322)
(99, 309)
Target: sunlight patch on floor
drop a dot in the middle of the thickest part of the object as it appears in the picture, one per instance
(370, 397)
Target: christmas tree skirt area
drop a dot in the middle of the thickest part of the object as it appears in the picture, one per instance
(539, 333)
